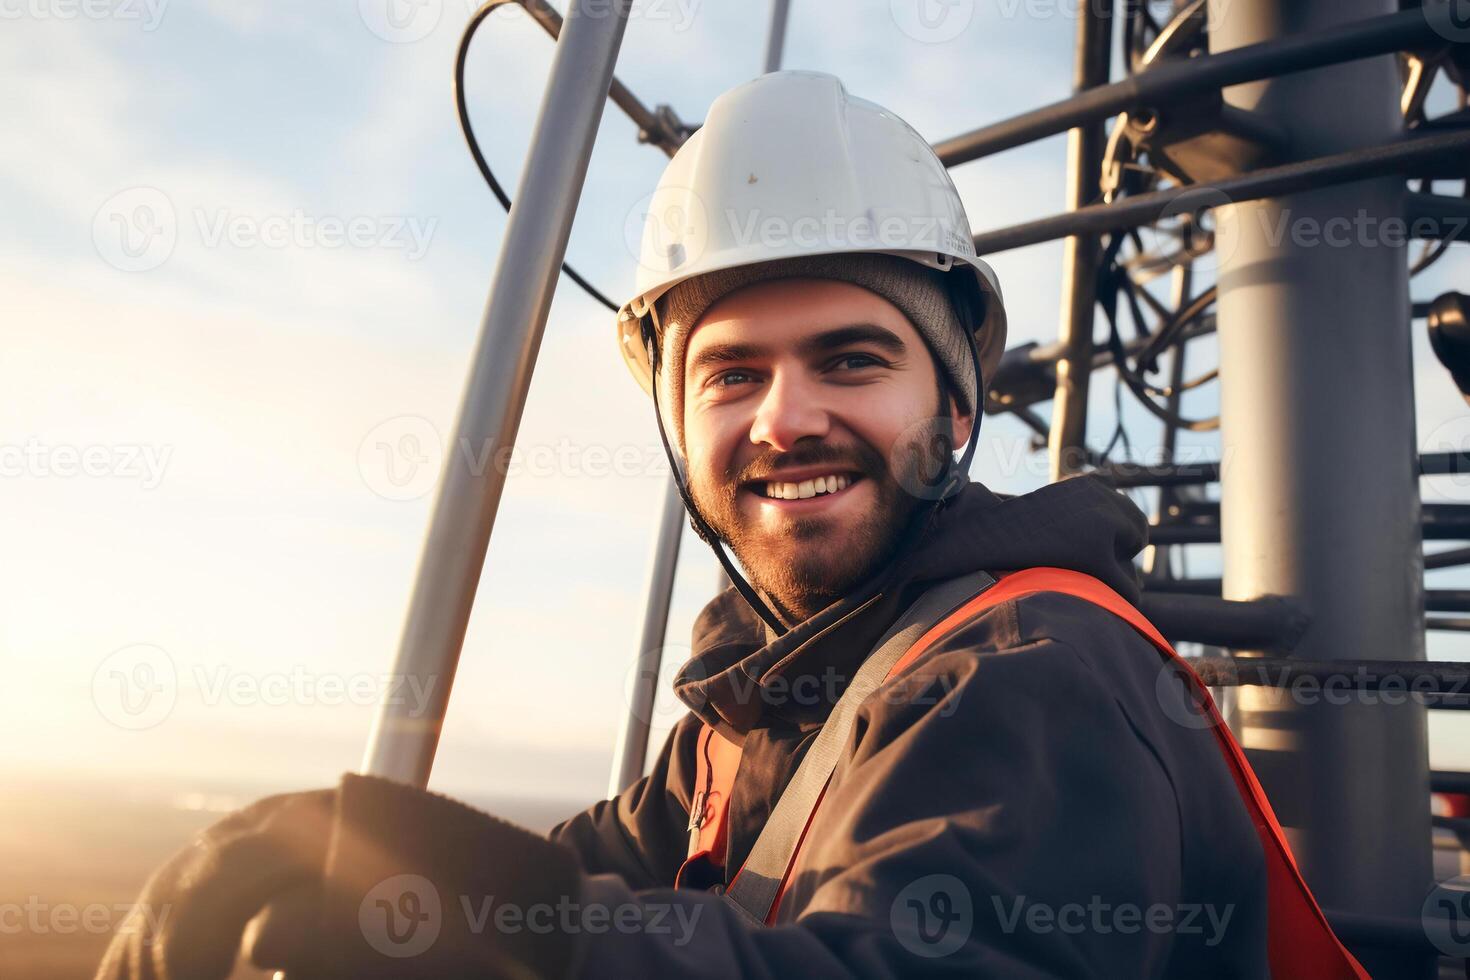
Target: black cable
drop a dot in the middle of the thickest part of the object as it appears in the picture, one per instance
(485, 10)
(1431, 254)
(1113, 278)
(1169, 332)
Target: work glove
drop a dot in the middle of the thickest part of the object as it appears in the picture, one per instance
(372, 879)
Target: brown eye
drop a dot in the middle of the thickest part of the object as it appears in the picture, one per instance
(727, 379)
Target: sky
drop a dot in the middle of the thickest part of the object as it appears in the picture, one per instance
(245, 255)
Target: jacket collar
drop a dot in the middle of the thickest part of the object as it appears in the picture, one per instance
(741, 677)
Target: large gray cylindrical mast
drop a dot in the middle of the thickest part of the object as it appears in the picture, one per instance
(1320, 497)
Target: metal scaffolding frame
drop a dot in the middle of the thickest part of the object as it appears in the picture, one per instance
(1273, 612)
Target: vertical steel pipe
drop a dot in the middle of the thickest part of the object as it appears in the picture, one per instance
(1156, 557)
(1085, 146)
(632, 750)
(1320, 500)
(776, 35)
(403, 742)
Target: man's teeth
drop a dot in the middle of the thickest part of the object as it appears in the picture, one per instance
(807, 488)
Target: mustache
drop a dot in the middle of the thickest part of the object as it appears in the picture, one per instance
(860, 457)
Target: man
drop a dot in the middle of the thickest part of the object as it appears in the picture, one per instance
(1017, 791)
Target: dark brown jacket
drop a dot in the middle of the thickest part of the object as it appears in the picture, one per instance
(1022, 803)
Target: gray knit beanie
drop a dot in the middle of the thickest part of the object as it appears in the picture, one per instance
(918, 291)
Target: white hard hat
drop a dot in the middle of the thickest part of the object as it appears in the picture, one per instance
(789, 165)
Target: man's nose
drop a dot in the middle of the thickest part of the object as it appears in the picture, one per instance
(790, 410)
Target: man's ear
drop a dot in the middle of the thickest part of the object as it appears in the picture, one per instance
(962, 421)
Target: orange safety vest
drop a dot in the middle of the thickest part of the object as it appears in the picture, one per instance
(1300, 943)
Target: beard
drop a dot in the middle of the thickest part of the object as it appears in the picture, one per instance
(813, 561)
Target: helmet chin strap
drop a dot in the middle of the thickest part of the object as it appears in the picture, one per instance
(957, 477)
(701, 527)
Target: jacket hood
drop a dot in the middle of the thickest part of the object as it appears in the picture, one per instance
(740, 673)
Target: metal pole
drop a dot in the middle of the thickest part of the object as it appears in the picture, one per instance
(1085, 146)
(632, 750)
(1177, 81)
(1438, 155)
(1320, 500)
(1156, 563)
(776, 36)
(403, 739)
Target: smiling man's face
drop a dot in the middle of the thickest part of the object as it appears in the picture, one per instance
(812, 426)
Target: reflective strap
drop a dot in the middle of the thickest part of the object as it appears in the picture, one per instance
(756, 887)
(1299, 941)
